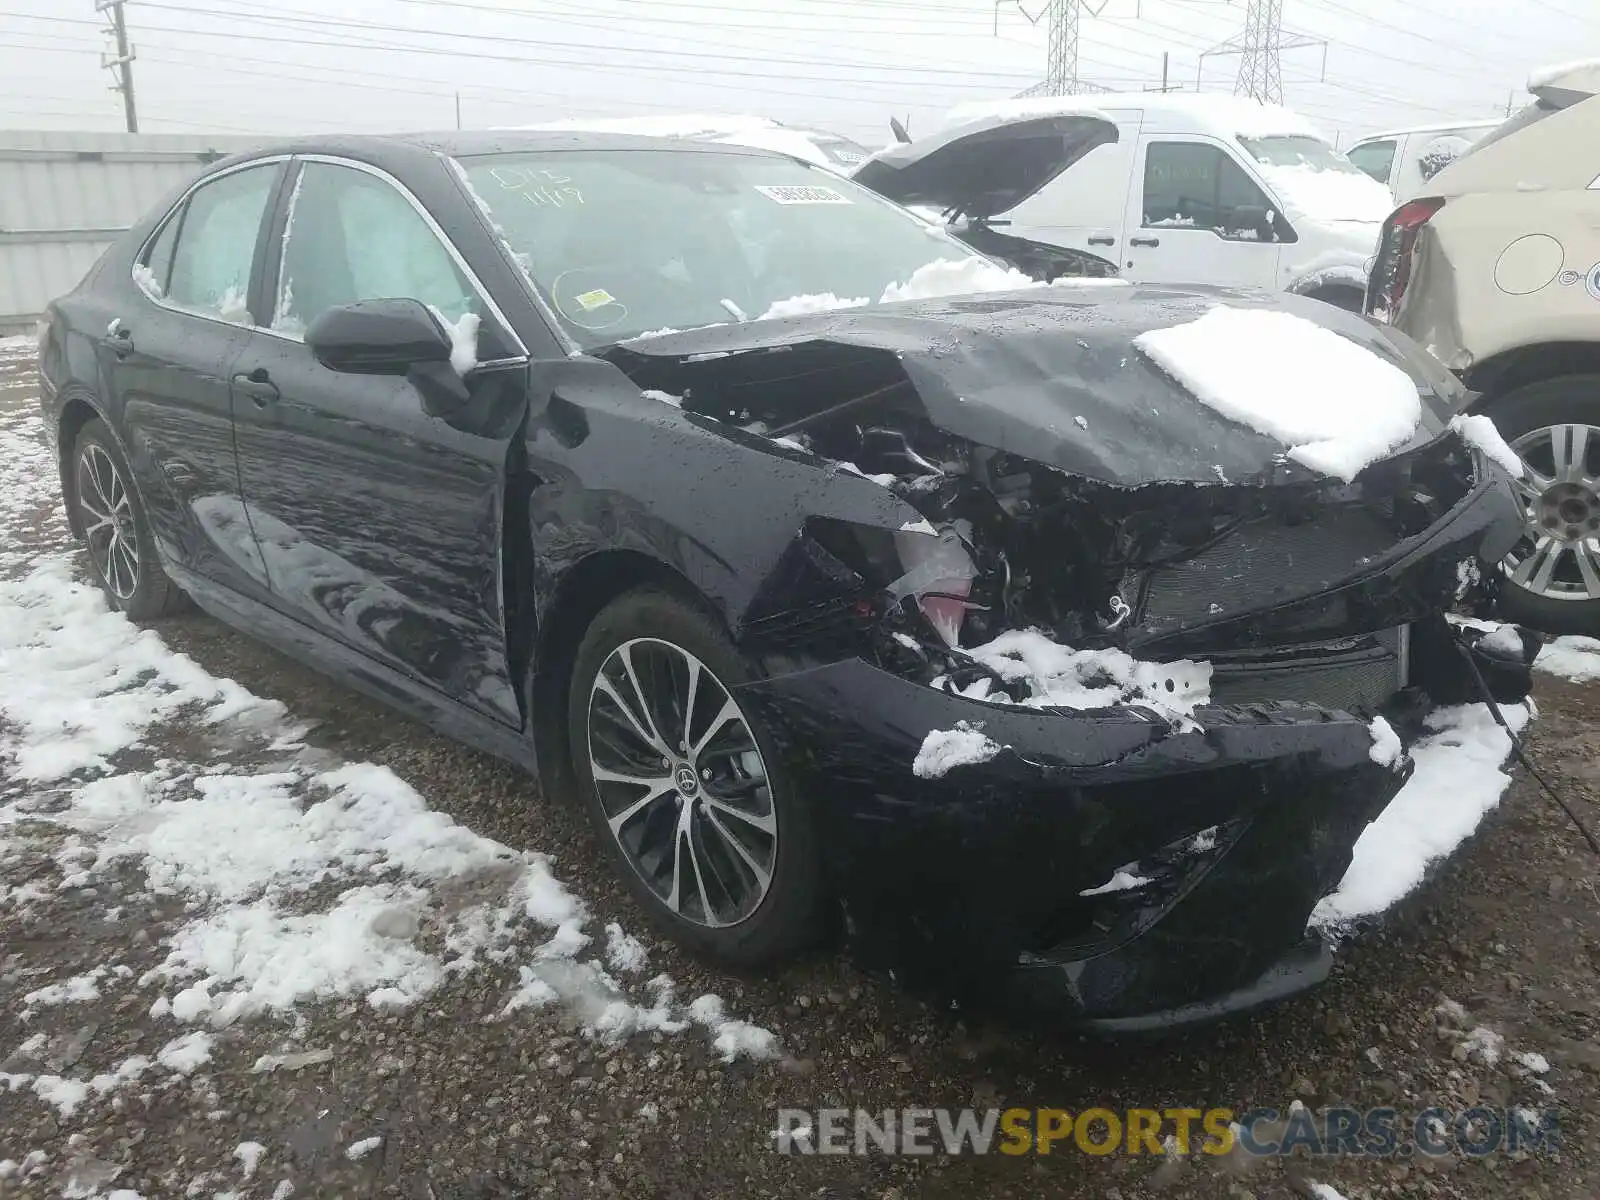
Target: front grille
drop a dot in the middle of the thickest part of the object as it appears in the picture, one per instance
(1356, 675)
(1266, 562)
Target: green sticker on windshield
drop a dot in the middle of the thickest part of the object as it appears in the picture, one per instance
(802, 193)
(598, 298)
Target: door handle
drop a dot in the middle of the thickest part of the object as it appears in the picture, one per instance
(258, 386)
(1102, 239)
(121, 338)
(1144, 241)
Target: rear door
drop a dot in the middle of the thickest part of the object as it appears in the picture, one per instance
(168, 360)
(1197, 216)
(380, 524)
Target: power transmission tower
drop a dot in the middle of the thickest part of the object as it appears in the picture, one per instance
(1260, 49)
(120, 64)
(1061, 64)
(1061, 61)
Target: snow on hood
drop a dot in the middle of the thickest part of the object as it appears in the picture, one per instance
(1012, 370)
(1336, 405)
(1324, 196)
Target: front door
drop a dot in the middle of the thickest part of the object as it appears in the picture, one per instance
(1197, 217)
(169, 358)
(379, 524)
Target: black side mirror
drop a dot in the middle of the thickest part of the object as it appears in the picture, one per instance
(378, 337)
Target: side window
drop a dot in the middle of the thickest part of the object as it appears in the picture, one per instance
(210, 269)
(157, 262)
(1375, 158)
(351, 236)
(1190, 185)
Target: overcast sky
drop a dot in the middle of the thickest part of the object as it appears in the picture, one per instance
(256, 66)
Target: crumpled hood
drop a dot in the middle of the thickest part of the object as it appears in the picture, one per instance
(1051, 375)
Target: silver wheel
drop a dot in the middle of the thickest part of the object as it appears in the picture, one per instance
(108, 522)
(682, 782)
(1559, 556)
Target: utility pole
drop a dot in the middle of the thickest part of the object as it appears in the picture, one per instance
(458, 110)
(1260, 49)
(1166, 58)
(121, 66)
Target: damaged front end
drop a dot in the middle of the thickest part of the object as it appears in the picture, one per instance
(1174, 681)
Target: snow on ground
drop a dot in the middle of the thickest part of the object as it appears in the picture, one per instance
(1572, 657)
(1457, 781)
(1336, 405)
(307, 879)
(1058, 676)
(944, 749)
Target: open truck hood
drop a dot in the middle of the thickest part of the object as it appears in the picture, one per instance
(987, 166)
(1050, 375)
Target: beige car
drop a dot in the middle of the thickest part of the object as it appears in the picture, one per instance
(1495, 268)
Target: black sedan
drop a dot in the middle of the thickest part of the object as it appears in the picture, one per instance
(415, 411)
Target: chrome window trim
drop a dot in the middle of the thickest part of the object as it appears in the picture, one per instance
(335, 160)
(161, 225)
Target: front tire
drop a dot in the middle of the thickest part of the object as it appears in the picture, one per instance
(116, 531)
(1551, 580)
(685, 786)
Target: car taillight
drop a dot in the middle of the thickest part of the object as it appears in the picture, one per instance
(939, 575)
(1392, 270)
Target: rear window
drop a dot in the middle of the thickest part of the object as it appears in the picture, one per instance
(1374, 158)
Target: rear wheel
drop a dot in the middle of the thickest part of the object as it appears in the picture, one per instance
(1552, 577)
(116, 531)
(685, 786)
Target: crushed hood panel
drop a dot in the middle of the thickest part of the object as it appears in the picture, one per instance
(1051, 375)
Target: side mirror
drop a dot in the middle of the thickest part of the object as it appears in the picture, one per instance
(378, 337)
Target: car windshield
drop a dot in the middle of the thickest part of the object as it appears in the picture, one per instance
(628, 242)
(1298, 150)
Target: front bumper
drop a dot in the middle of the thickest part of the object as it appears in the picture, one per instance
(970, 886)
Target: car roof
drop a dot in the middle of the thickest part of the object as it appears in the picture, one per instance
(1435, 127)
(473, 143)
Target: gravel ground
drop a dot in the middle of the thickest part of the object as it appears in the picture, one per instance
(467, 1105)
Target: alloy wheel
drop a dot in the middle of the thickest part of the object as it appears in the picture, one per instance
(108, 521)
(682, 783)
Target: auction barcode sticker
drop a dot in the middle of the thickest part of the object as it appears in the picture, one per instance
(802, 193)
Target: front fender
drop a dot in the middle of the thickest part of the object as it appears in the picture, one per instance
(618, 469)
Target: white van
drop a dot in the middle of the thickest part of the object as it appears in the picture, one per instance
(1180, 188)
(1405, 159)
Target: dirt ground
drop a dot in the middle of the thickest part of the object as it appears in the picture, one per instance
(467, 1106)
